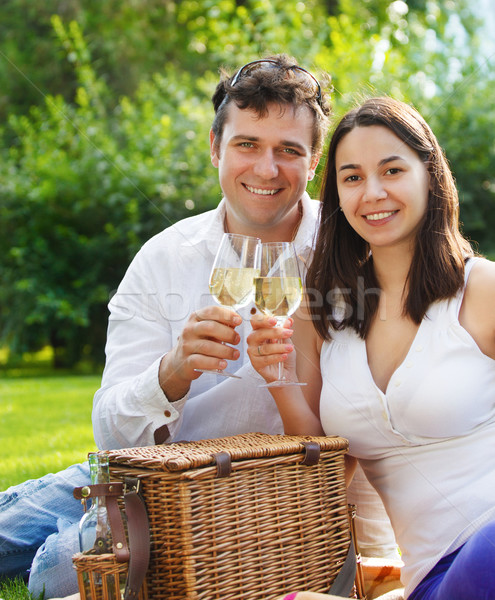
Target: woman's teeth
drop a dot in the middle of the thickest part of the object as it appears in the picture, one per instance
(379, 216)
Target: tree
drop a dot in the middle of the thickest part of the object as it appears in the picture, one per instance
(82, 187)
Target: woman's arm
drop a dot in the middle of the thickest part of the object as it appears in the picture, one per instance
(298, 405)
(477, 314)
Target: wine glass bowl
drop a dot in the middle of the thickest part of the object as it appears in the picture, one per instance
(278, 290)
(278, 297)
(231, 284)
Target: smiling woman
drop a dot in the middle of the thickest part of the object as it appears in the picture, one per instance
(45, 425)
(406, 351)
(382, 185)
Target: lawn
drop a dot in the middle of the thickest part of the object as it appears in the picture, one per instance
(45, 424)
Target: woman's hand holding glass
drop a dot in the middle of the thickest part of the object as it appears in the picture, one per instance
(269, 354)
(278, 294)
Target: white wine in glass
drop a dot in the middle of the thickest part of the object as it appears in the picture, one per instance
(278, 290)
(235, 267)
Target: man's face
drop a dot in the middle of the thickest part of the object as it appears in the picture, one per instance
(264, 165)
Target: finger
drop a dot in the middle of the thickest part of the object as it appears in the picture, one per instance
(263, 336)
(260, 321)
(212, 349)
(264, 353)
(261, 362)
(211, 355)
(219, 314)
(207, 363)
(214, 330)
(274, 349)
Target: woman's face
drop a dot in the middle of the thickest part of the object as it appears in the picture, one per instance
(382, 185)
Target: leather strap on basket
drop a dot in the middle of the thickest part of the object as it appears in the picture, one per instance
(111, 491)
(312, 456)
(224, 464)
(138, 550)
(139, 538)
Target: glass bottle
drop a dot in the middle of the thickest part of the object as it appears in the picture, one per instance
(95, 536)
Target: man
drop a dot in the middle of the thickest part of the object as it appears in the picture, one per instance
(163, 323)
(271, 118)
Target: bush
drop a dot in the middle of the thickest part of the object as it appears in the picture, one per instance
(82, 187)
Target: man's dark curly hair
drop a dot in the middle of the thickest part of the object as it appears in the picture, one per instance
(275, 83)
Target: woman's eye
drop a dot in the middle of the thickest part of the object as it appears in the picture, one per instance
(352, 178)
(393, 170)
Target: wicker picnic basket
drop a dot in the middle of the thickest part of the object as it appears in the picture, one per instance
(251, 515)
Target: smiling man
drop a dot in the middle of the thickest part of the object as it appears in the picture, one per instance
(270, 122)
(264, 165)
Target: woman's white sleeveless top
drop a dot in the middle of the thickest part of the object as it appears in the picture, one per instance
(428, 443)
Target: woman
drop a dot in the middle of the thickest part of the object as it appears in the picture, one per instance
(400, 319)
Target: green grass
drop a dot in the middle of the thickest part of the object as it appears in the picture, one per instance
(15, 589)
(45, 424)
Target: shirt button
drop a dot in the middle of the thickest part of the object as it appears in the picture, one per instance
(384, 415)
(167, 413)
(397, 382)
(419, 348)
(410, 364)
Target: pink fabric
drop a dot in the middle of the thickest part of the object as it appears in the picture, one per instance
(290, 596)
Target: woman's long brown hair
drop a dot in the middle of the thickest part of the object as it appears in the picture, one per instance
(342, 261)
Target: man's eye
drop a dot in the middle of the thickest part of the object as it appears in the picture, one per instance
(291, 151)
(246, 144)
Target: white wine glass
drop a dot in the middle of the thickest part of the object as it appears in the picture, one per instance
(235, 267)
(278, 290)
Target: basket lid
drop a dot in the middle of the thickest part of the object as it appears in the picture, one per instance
(180, 456)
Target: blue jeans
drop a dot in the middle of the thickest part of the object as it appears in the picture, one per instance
(39, 531)
(466, 574)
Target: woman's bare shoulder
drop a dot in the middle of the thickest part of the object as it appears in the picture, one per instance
(478, 308)
(481, 282)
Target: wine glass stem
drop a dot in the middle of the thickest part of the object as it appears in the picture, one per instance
(281, 376)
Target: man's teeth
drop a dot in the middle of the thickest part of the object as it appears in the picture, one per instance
(260, 191)
(378, 216)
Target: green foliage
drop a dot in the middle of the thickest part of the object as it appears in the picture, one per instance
(82, 186)
(129, 40)
(106, 140)
(31, 69)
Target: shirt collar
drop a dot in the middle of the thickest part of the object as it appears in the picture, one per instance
(214, 227)
(307, 228)
(306, 233)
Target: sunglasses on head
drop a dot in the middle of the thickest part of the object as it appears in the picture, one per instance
(296, 69)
